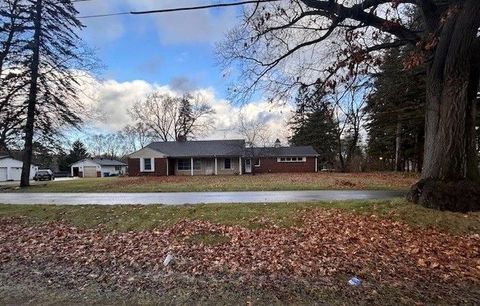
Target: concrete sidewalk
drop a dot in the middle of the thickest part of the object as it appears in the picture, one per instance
(179, 198)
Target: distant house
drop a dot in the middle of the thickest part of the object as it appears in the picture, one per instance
(98, 167)
(11, 169)
(218, 157)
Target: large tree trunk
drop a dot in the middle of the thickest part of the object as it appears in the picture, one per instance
(450, 170)
(32, 97)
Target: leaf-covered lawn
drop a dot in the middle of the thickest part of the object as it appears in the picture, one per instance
(263, 182)
(239, 254)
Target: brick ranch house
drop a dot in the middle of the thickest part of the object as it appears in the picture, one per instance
(219, 157)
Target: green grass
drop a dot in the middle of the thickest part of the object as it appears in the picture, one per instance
(292, 181)
(136, 218)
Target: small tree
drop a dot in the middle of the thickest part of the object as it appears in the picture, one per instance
(77, 152)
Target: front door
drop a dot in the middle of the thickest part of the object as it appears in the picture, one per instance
(248, 165)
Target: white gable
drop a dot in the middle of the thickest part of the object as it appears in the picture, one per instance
(147, 152)
(86, 163)
(10, 162)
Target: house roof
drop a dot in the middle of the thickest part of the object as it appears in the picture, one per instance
(103, 161)
(205, 148)
(108, 162)
(15, 159)
(283, 151)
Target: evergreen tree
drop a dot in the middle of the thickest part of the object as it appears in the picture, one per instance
(395, 113)
(51, 54)
(313, 124)
(77, 152)
(185, 118)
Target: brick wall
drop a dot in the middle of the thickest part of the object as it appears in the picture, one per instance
(270, 165)
(160, 167)
(133, 166)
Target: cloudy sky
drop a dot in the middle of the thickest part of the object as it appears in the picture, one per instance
(167, 52)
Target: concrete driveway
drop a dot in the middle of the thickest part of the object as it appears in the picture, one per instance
(179, 198)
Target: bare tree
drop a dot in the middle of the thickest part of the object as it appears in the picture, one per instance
(281, 45)
(137, 136)
(158, 112)
(194, 117)
(256, 134)
(168, 117)
(255, 131)
(350, 115)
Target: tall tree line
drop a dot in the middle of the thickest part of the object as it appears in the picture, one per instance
(40, 61)
(395, 115)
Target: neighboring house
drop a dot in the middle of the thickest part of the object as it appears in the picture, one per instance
(218, 157)
(11, 169)
(98, 167)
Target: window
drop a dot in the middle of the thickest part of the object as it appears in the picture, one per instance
(184, 164)
(257, 162)
(227, 164)
(291, 159)
(147, 164)
(197, 164)
(118, 168)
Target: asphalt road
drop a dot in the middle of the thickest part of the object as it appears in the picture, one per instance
(179, 198)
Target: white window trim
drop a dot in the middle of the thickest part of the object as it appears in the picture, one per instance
(304, 160)
(142, 164)
(259, 163)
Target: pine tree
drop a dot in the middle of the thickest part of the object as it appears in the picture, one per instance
(395, 113)
(48, 61)
(313, 124)
(77, 152)
(185, 118)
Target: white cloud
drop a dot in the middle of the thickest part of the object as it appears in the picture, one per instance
(111, 100)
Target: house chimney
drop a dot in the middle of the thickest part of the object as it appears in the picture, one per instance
(277, 144)
(181, 138)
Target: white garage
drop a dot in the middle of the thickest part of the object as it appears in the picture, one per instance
(98, 167)
(11, 169)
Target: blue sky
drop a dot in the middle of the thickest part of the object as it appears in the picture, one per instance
(172, 52)
(161, 49)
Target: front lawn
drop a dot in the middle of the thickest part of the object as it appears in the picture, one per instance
(264, 182)
(239, 254)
